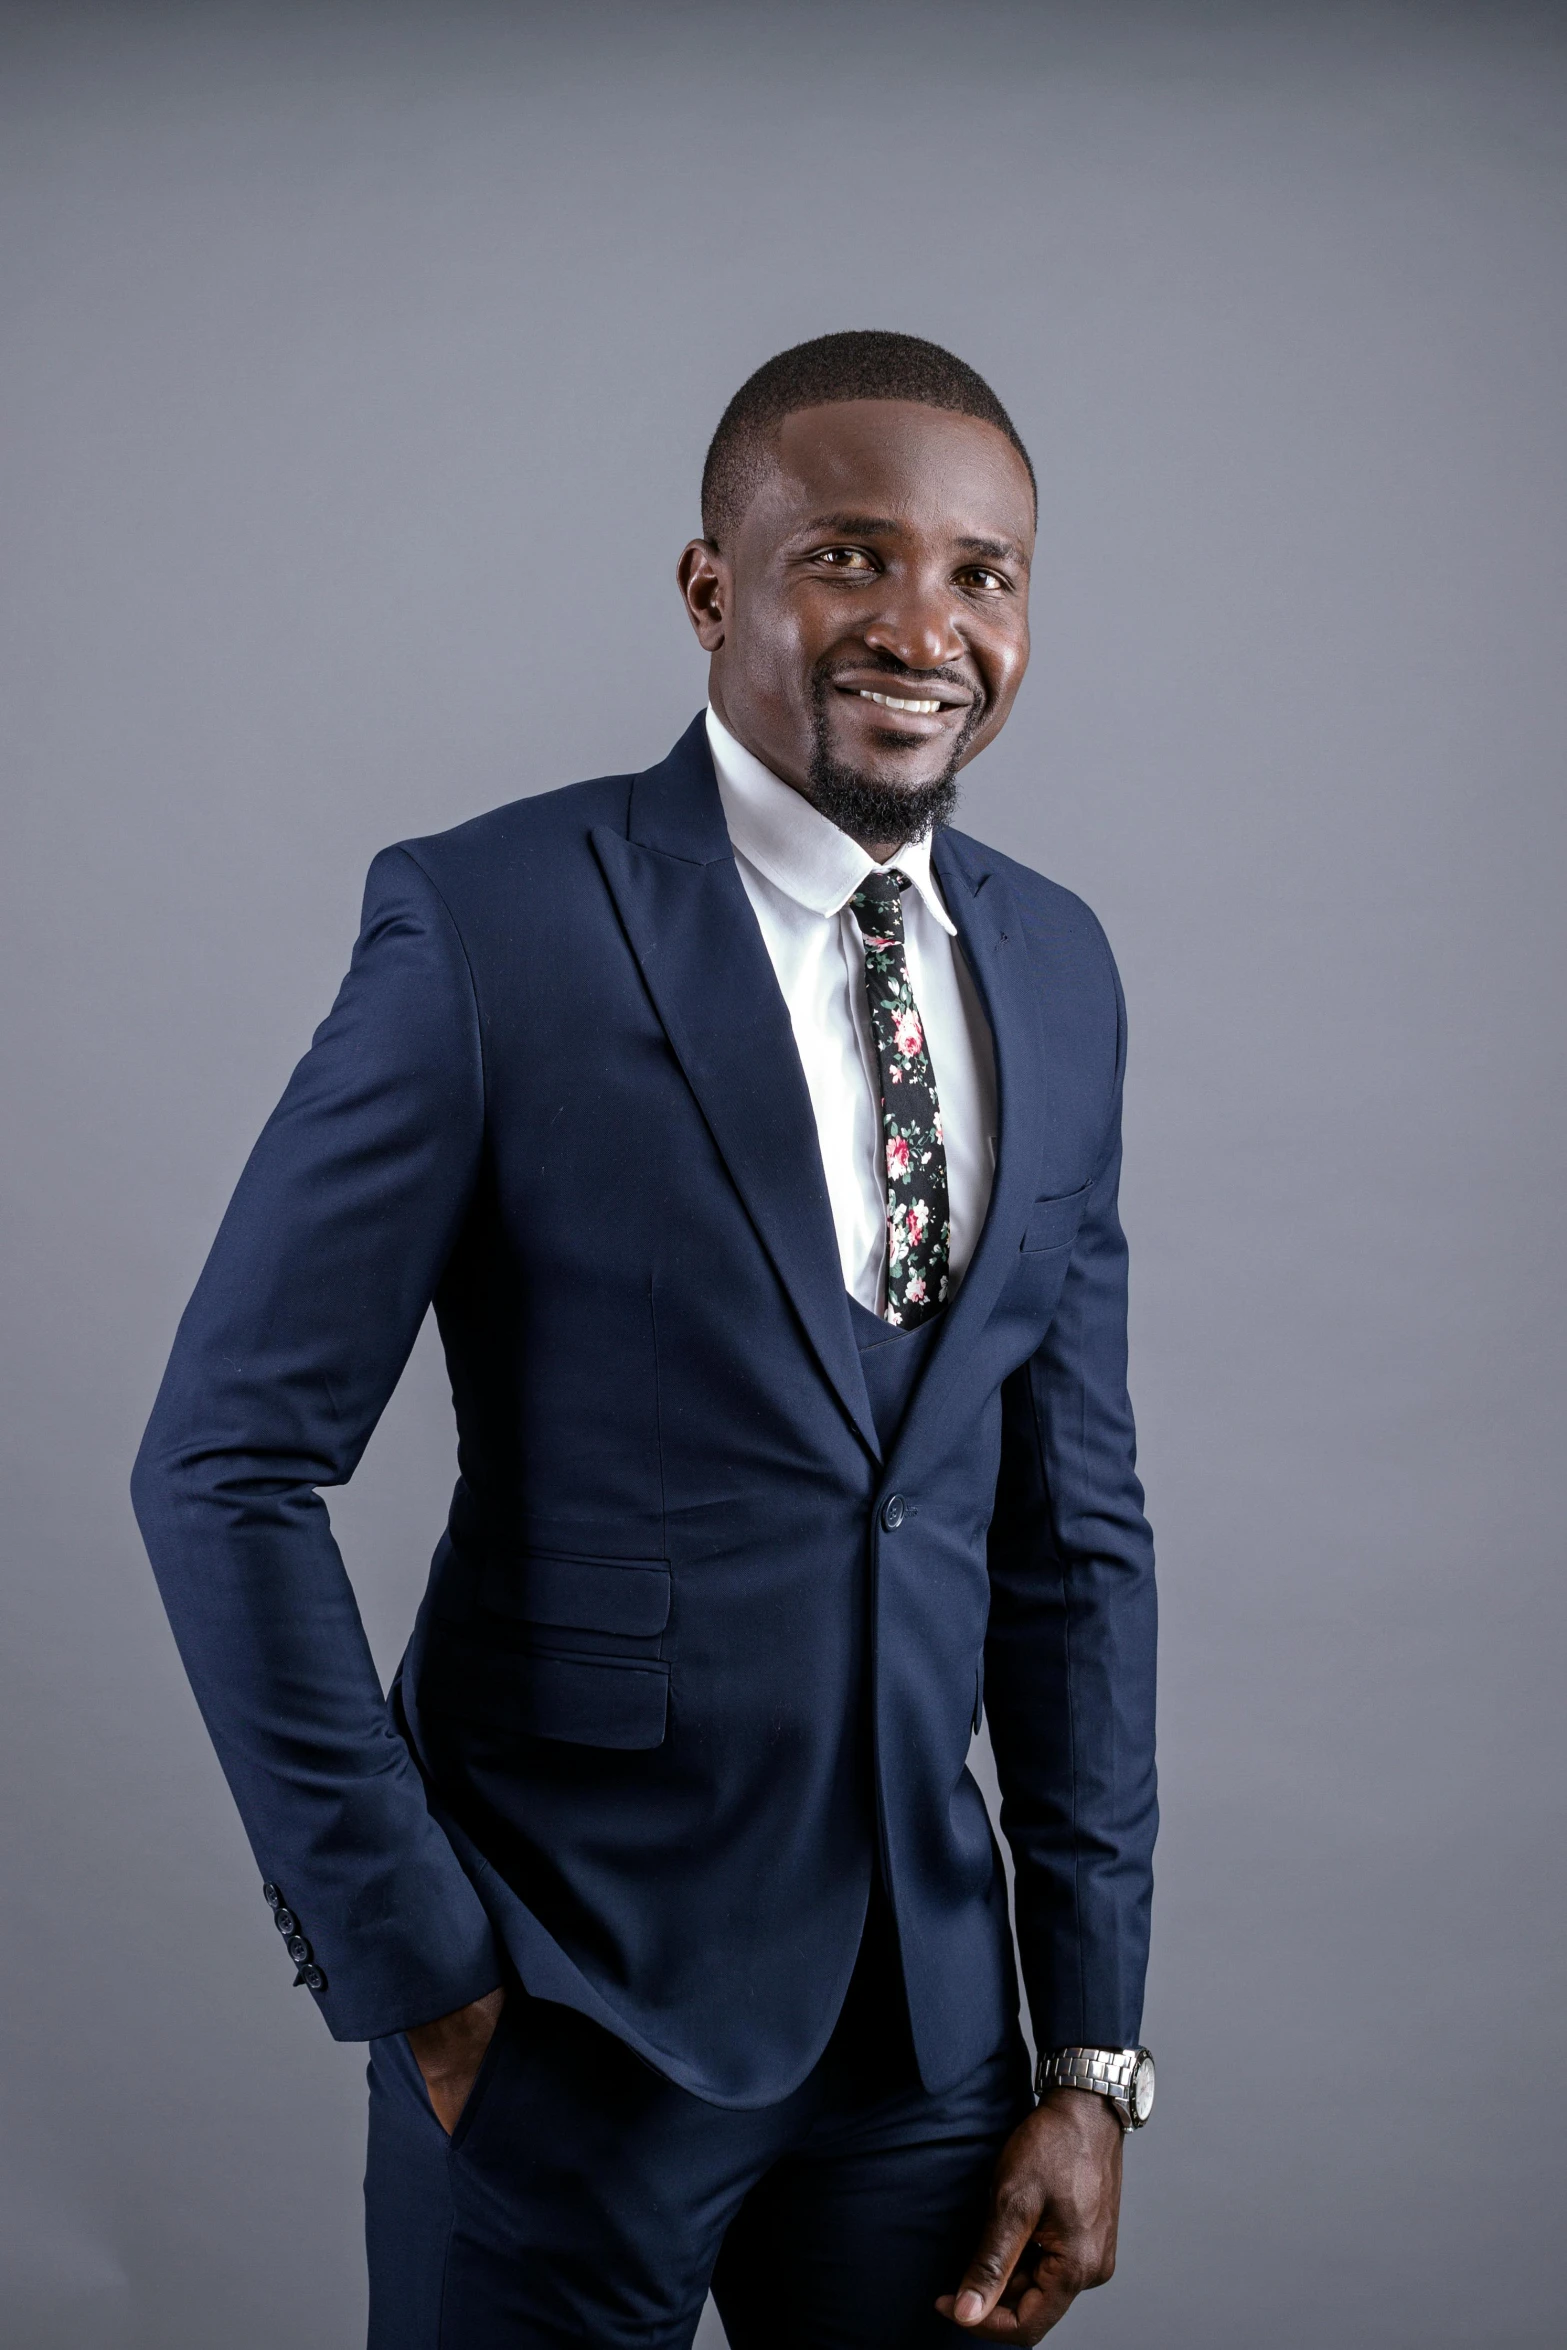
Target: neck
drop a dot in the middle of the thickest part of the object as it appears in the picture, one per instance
(879, 850)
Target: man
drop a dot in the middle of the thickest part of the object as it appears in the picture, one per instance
(756, 1137)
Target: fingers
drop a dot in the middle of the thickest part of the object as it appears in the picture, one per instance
(1013, 2219)
(1024, 2314)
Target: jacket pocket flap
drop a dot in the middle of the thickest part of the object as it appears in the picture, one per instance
(580, 1594)
(1053, 1223)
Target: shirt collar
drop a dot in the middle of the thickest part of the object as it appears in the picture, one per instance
(801, 851)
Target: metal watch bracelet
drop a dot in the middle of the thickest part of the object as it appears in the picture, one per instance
(1124, 2075)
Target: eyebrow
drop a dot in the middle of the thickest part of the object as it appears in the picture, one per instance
(999, 550)
(854, 526)
(873, 526)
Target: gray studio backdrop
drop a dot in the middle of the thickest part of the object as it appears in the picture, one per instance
(357, 368)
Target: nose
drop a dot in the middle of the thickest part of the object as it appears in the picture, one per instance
(915, 624)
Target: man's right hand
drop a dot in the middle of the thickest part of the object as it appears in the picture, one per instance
(450, 2051)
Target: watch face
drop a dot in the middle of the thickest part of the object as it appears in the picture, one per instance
(1142, 2089)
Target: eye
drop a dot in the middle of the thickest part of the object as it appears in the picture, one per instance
(845, 559)
(979, 575)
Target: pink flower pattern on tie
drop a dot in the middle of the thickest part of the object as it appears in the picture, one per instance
(918, 1227)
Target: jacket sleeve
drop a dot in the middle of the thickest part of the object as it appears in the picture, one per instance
(297, 1333)
(1069, 1664)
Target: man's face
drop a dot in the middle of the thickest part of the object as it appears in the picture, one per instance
(868, 617)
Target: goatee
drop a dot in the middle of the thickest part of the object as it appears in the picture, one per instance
(870, 811)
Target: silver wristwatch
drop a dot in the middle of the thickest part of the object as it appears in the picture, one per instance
(1124, 2075)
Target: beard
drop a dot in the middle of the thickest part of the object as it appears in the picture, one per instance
(871, 811)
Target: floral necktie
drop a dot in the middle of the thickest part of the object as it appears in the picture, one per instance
(918, 1231)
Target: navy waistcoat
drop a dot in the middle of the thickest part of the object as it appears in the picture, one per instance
(892, 1361)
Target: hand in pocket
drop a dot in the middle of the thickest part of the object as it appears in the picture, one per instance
(450, 2051)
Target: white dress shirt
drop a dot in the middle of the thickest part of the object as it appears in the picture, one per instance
(799, 873)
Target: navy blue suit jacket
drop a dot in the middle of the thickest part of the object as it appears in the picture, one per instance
(685, 1671)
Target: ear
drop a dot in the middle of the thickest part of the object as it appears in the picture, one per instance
(703, 574)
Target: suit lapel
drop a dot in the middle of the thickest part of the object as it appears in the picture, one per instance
(990, 931)
(689, 922)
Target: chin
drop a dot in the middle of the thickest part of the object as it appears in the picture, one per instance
(892, 762)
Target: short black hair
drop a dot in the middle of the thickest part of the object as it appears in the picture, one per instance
(865, 364)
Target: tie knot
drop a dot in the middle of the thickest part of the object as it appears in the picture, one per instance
(878, 902)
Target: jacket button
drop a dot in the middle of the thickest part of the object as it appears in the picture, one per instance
(893, 1512)
(298, 1948)
(272, 1897)
(285, 1921)
(312, 1978)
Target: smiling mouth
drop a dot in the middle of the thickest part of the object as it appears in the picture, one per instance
(897, 702)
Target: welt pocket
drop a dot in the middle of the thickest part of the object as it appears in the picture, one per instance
(579, 1593)
(1053, 1223)
(583, 1700)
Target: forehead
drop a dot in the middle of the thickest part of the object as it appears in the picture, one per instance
(939, 473)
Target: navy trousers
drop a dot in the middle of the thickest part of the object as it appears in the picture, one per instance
(583, 2199)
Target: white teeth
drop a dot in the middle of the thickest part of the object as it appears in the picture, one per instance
(891, 702)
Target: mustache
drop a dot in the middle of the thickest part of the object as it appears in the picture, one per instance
(833, 666)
